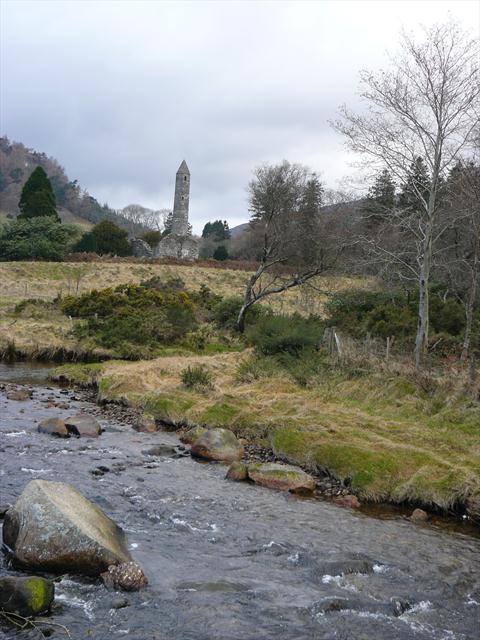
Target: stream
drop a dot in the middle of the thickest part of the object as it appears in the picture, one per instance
(226, 560)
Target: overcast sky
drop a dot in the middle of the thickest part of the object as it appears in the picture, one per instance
(120, 92)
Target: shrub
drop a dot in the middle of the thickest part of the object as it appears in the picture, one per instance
(132, 315)
(197, 377)
(170, 285)
(285, 334)
(227, 310)
(392, 314)
(38, 238)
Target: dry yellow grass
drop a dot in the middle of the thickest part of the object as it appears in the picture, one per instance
(47, 280)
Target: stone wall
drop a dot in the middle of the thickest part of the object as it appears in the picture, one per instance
(181, 247)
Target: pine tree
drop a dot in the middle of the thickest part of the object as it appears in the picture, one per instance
(309, 213)
(380, 199)
(37, 197)
(416, 188)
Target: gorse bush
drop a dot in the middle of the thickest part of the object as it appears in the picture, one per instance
(272, 334)
(132, 315)
(197, 377)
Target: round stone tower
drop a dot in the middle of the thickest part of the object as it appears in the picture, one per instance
(180, 202)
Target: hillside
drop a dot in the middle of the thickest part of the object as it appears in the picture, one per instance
(75, 205)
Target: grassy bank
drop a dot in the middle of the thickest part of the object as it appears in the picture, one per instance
(381, 432)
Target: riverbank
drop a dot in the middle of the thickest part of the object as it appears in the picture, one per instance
(377, 435)
(229, 559)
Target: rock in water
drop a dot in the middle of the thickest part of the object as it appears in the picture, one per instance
(217, 444)
(26, 596)
(473, 508)
(83, 426)
(284, 477)
(19, 394)
(237, 471)
(350, 501)
(146, 424)
(52, 527)
(54, 427)
(191, 435)
(419, 515)
(127, 576)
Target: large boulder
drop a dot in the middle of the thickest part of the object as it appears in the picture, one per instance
(26, 597)
(54, 427)
(217, 444)
(283, 477)
(83, 426)
(52, 527)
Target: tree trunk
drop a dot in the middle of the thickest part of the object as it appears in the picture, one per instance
(469, 313)
(422, 328)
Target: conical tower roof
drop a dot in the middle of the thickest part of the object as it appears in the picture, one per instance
(183, 168)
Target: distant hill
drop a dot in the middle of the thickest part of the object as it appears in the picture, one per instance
(74, 204)
(239, 229)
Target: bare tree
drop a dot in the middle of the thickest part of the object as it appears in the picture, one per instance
(277, 235)
(425, 106)
(141, 218)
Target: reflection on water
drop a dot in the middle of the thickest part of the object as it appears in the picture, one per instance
(24, 372)
(231, 561)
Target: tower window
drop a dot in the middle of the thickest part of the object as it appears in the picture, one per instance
(184, 178)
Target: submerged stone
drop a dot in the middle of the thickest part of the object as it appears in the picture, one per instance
(52, 527)
(350, 501)
(283, 477)
(19, 395)
(217, 444)
(26, 596)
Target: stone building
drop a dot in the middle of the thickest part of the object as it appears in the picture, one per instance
(179, 243)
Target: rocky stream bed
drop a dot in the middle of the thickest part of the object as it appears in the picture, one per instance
(228, 560)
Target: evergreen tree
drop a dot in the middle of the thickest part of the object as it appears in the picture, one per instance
(37, 197)
(104, 238)
(416, 187)
(380, 199)
(217, 230)
(221, 253)
(309, 213)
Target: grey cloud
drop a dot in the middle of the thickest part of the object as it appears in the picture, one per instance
(121, 92)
